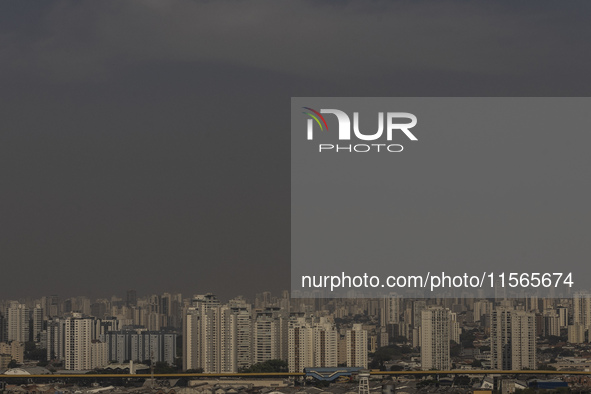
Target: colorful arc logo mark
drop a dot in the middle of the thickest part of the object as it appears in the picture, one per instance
(315, 116)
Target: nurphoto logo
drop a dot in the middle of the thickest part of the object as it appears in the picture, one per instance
(393, 127)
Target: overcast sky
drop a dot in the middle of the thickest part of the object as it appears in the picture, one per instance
(145, 144)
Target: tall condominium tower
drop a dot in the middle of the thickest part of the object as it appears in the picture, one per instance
(391, 309)
(216, 337)
(356, 340)
(582, 309)
(79, 332)
(513, 339)
(435, 337)
(17, 322)
(312, 344)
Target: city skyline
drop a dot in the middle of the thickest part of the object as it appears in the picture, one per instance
(230, 336)
(320, 341)
(154, 164)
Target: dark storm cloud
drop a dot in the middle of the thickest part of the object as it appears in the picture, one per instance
(145, 144)
(313, 39)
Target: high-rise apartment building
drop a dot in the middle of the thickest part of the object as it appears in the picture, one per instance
(191, 339)
(265, 336)
(391, 309)
(51, 306)
(325, 344)
(3, 327)
(481, 309)
(435, 334)
(141, 345)
(562, 316)
(269, 335)
(240, 325)
(576, 333)
(582, 309)
(55, 337)
(71, 340)
(301, 345)
(203, 334)
(37, 323)
(78, 337)
(214, 336)
(417, 309)
(17, 322)
(16, 350)
(551, 323)
(99, 354)
(356, 346)
(454, 328)
(513, 339)
(312, 344)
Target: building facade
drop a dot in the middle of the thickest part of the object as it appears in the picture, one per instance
(513, 339)
(435, 335)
